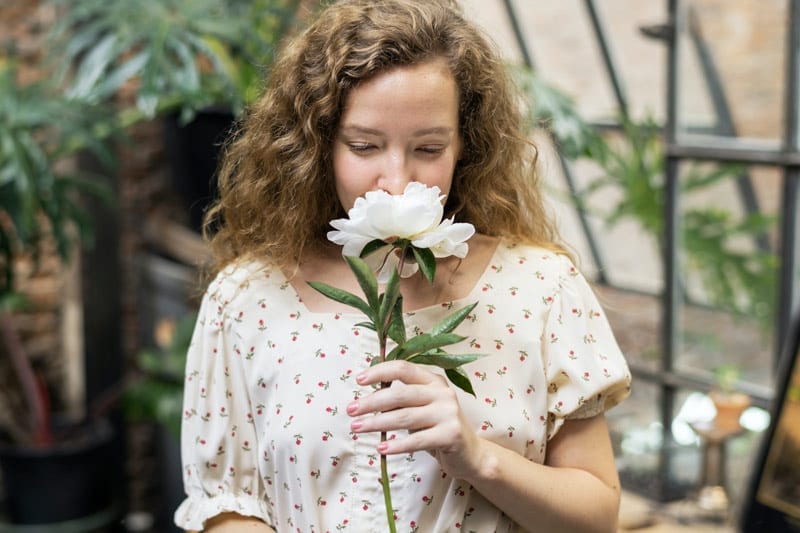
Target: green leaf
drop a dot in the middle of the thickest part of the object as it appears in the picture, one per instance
(426, 261)
(445, 360)
(343, 297)
(369, 284)
(388, 300)
(423, 343)
(371, 247)
(368, 325)
(459, 378)
(451, 322)
(93, 67)
(397, 328)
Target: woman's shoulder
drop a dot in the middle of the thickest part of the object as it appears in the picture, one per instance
(235, 280)
(515, 255)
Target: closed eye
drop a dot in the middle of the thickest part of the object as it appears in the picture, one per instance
(360, 148)
(431, 149)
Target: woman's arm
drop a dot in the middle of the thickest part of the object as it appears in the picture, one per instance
(233, 523)
(576, 490)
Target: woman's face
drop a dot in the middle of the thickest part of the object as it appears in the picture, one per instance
(397, 127)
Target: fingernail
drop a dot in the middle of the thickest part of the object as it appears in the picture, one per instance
(352, 408)
(360, 378)
(356, 425)
(382, 447)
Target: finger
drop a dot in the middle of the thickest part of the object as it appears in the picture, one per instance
(430, 440)
(411, 419)
(404, 371)
(388, 399)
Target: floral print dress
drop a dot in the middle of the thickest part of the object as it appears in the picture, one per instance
(265, 432)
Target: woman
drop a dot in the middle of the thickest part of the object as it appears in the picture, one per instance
(283, 412)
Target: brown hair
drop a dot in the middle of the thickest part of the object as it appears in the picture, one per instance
(276, 183)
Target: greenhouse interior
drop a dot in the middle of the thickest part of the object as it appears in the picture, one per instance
(667, 135)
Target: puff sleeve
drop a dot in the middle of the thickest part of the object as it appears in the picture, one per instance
(219, 442)
(585, 369)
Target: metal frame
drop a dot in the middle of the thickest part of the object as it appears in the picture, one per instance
(527, 60)
(681, 147)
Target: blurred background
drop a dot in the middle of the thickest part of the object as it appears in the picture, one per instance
(668, 141)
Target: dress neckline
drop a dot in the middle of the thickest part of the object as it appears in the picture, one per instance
(470, 295)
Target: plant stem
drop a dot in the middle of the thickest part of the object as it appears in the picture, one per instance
(34, 391)
(387, 493)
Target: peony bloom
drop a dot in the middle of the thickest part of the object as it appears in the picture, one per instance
(414, 216)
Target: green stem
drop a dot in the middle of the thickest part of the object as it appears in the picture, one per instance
(387, 493)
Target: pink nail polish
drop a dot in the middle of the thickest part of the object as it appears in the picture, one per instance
(382, 447)
(352, 408)
(356, 425)
(360, 378)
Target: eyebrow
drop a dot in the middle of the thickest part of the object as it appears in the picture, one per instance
(354, 128)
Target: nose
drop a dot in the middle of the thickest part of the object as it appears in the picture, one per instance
(397, 172)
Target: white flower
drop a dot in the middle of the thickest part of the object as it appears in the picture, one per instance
(415, 216)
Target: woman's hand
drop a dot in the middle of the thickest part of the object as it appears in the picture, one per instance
(426, 406)
(577, 489)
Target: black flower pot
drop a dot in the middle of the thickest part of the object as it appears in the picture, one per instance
(193, 154)
(67, 481)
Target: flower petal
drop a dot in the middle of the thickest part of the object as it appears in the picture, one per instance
(447, 239)
(415, 215)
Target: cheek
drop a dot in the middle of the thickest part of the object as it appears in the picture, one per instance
(442, 176)
(351, 179)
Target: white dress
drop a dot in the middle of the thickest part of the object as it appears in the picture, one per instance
(265, 432)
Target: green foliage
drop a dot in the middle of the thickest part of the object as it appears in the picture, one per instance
(39, 194)
(385, 317)
(179, 54)
(157, 396)
(554, 111)
(384, 314)
(635, 166)
(726, 376)
(737, 280)
(170, 55)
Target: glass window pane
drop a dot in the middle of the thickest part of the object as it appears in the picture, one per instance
(732, 69)
(638, 443)
(728, 256)
(564, 50)
(491, 16)
(638, 440)
(640, 60)
(619, 195)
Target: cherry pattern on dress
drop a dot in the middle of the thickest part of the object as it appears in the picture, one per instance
(265, 432)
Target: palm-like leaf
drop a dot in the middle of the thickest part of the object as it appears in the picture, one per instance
(40, 129)
(187, 54)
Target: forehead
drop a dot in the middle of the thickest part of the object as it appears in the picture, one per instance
(427, 88)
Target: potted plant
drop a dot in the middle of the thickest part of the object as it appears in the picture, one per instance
(194, 64)
(729, 403)
(40, 199)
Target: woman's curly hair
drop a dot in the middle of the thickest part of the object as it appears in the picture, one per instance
(276, 183)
